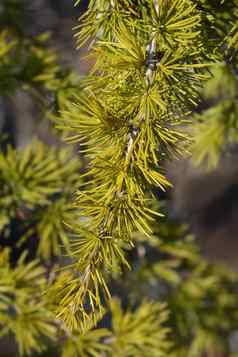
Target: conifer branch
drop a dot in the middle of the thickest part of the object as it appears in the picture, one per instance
(123, 117)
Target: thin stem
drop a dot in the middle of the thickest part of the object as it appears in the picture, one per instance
(149, 77)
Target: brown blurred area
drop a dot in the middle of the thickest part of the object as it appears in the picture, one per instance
(209, 203)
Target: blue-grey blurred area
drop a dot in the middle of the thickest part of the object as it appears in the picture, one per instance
(20, 117)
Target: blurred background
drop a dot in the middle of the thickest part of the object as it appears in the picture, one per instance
(208, 202)
(19, 117)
